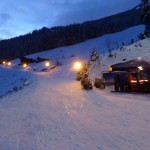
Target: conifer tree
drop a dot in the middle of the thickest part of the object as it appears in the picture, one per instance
(94, 56)
(146, 16)
(94, 65)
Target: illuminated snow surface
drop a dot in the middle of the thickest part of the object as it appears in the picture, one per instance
(50, 111)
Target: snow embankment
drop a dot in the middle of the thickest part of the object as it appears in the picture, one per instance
(12, 80)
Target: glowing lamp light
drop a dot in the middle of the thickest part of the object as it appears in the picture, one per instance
(110, 68)
(77, 65)
(140, 68)
(24, 65)
(47, 64)
(9, 63)
(4, 62)
(143, 81)
(133, 81)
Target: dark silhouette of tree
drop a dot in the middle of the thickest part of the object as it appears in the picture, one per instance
(146, 16)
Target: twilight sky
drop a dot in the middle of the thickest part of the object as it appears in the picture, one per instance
(18, 17)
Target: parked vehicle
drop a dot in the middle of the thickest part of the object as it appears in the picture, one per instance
(140, 81)
(108, 76)
(78, 76)
(86, 83)
(99, 83)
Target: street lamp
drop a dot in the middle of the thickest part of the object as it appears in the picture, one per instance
(77, 65)
(4, 62)
(47, 64)
(24, 65)
(9, 63)
(140, 68)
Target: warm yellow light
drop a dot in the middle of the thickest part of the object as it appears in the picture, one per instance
(140, 68)
(133, 81)
(24, 65)
(77, 65)
(4, 62)
(143, 81)
(9, 63)
(110, 68)
(47, 64)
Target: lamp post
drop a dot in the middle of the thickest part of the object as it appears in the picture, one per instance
(24, 65)
(9, 63)
(47, 64)
(77, 66)
(4, 62)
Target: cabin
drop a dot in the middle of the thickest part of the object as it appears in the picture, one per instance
(25, 60)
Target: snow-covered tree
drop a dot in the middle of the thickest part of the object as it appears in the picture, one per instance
(94, 65)
(94, 56)
(146, 16)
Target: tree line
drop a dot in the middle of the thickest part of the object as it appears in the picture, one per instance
(50, 38)
(146, 16)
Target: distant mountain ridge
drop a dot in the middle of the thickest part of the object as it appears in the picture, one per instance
(50, 38)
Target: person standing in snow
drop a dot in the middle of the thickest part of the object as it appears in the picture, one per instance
(128, 82)
(122, 79)
(117, 81)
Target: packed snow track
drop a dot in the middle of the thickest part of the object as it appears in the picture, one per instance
(54, 113)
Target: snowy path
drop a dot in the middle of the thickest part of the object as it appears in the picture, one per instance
(53, 113)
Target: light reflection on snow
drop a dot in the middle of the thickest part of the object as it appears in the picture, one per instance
(73, 102)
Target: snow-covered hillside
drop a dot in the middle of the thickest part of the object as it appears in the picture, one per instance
(82, 51)
(49, 110)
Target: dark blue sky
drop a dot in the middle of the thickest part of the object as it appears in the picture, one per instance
(18, 17)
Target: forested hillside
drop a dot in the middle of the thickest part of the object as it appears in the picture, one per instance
(49, 38)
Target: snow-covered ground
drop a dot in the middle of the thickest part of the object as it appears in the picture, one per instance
(52, 112)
